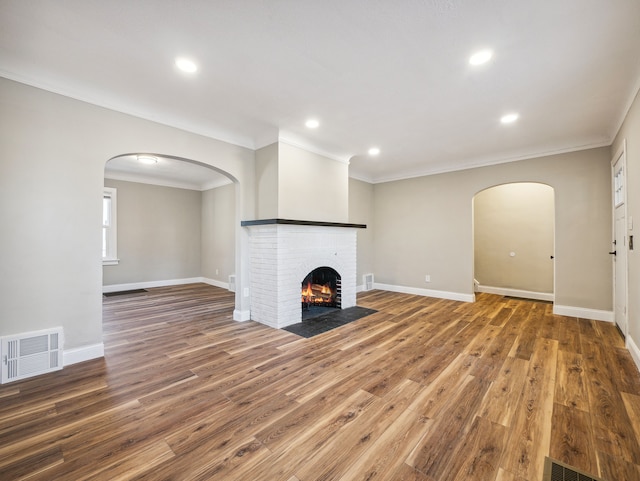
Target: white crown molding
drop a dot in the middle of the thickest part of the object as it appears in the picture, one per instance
(629, 103)
(222, 136)
(487, 163)
(361, 178)
(143, 179)
(344, 159)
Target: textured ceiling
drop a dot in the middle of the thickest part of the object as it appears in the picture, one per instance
(393, 74)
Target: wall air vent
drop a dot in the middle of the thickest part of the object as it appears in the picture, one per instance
(368, 282)
(232, 283)
(30, 354)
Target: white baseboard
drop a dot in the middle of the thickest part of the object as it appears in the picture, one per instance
(634, 351)
(81, 354)
(213, 282)
(241, 316)
(149, 284)
(454, 296)
(360, 288)
(164, 283)
(583, 313)
(503, 291)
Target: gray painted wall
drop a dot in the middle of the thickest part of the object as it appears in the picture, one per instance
(159, 233)
(218, 233)
(53, 150)
(424, 226)
(361, 212)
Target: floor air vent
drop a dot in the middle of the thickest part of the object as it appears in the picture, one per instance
(30, 353)
(556, 471)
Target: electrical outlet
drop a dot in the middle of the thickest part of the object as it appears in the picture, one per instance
(427, 278)
(216, 272)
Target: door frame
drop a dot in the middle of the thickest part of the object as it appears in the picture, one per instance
(620, 156)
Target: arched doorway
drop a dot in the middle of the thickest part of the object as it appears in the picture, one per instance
(176, 222)
(514, 229)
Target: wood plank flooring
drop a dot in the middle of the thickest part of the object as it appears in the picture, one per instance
(424, 390)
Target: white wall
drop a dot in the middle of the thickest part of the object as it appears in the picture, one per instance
(311, 187)
(267, 182)
(52, 156)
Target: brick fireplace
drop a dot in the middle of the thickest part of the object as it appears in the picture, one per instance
(283, 253)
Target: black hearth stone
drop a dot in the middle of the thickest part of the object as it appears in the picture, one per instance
(325, 322)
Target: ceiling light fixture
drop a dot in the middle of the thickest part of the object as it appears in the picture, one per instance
(312, 124)
(374, 151)
(186, 65)
(147, 159)
(483, 56)
(509, 118)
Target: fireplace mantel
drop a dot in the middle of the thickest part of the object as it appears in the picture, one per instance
(249, 223)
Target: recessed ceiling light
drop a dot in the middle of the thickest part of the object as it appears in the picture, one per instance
(374, 151)
(186, 65)
(483, 56)
(312, 123)
(509, 118)
(147, 159)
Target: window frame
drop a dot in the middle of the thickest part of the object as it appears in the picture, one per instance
(111, 256)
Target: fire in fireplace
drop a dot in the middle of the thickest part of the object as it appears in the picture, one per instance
(321, 288)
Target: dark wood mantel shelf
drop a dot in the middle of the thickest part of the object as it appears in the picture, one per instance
(249, 223)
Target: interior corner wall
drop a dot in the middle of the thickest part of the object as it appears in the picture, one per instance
(513, 230)
(630, 133)
(53, 150)
(311, 186)
(361, 212)
(159, 233)
(267, 182)
(218, 233)
(423, 226)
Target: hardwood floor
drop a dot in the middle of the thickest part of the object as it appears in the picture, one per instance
(424, 390)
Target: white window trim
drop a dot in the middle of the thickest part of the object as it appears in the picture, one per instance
(111, 258)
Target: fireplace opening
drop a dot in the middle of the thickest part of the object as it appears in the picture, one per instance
(321, 292)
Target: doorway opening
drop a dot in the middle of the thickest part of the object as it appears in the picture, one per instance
(621, 242)
(514, 237)
(176, 223)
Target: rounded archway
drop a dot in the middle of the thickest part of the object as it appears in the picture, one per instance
(176, 221)
(514, 232)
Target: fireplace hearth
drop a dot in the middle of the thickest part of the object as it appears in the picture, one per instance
(293, 263)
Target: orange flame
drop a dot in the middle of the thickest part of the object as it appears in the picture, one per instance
(317, 294)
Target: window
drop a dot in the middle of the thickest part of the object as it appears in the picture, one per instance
(618, 186)
(109, 232)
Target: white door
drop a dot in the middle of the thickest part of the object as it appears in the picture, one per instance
(620, 244)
